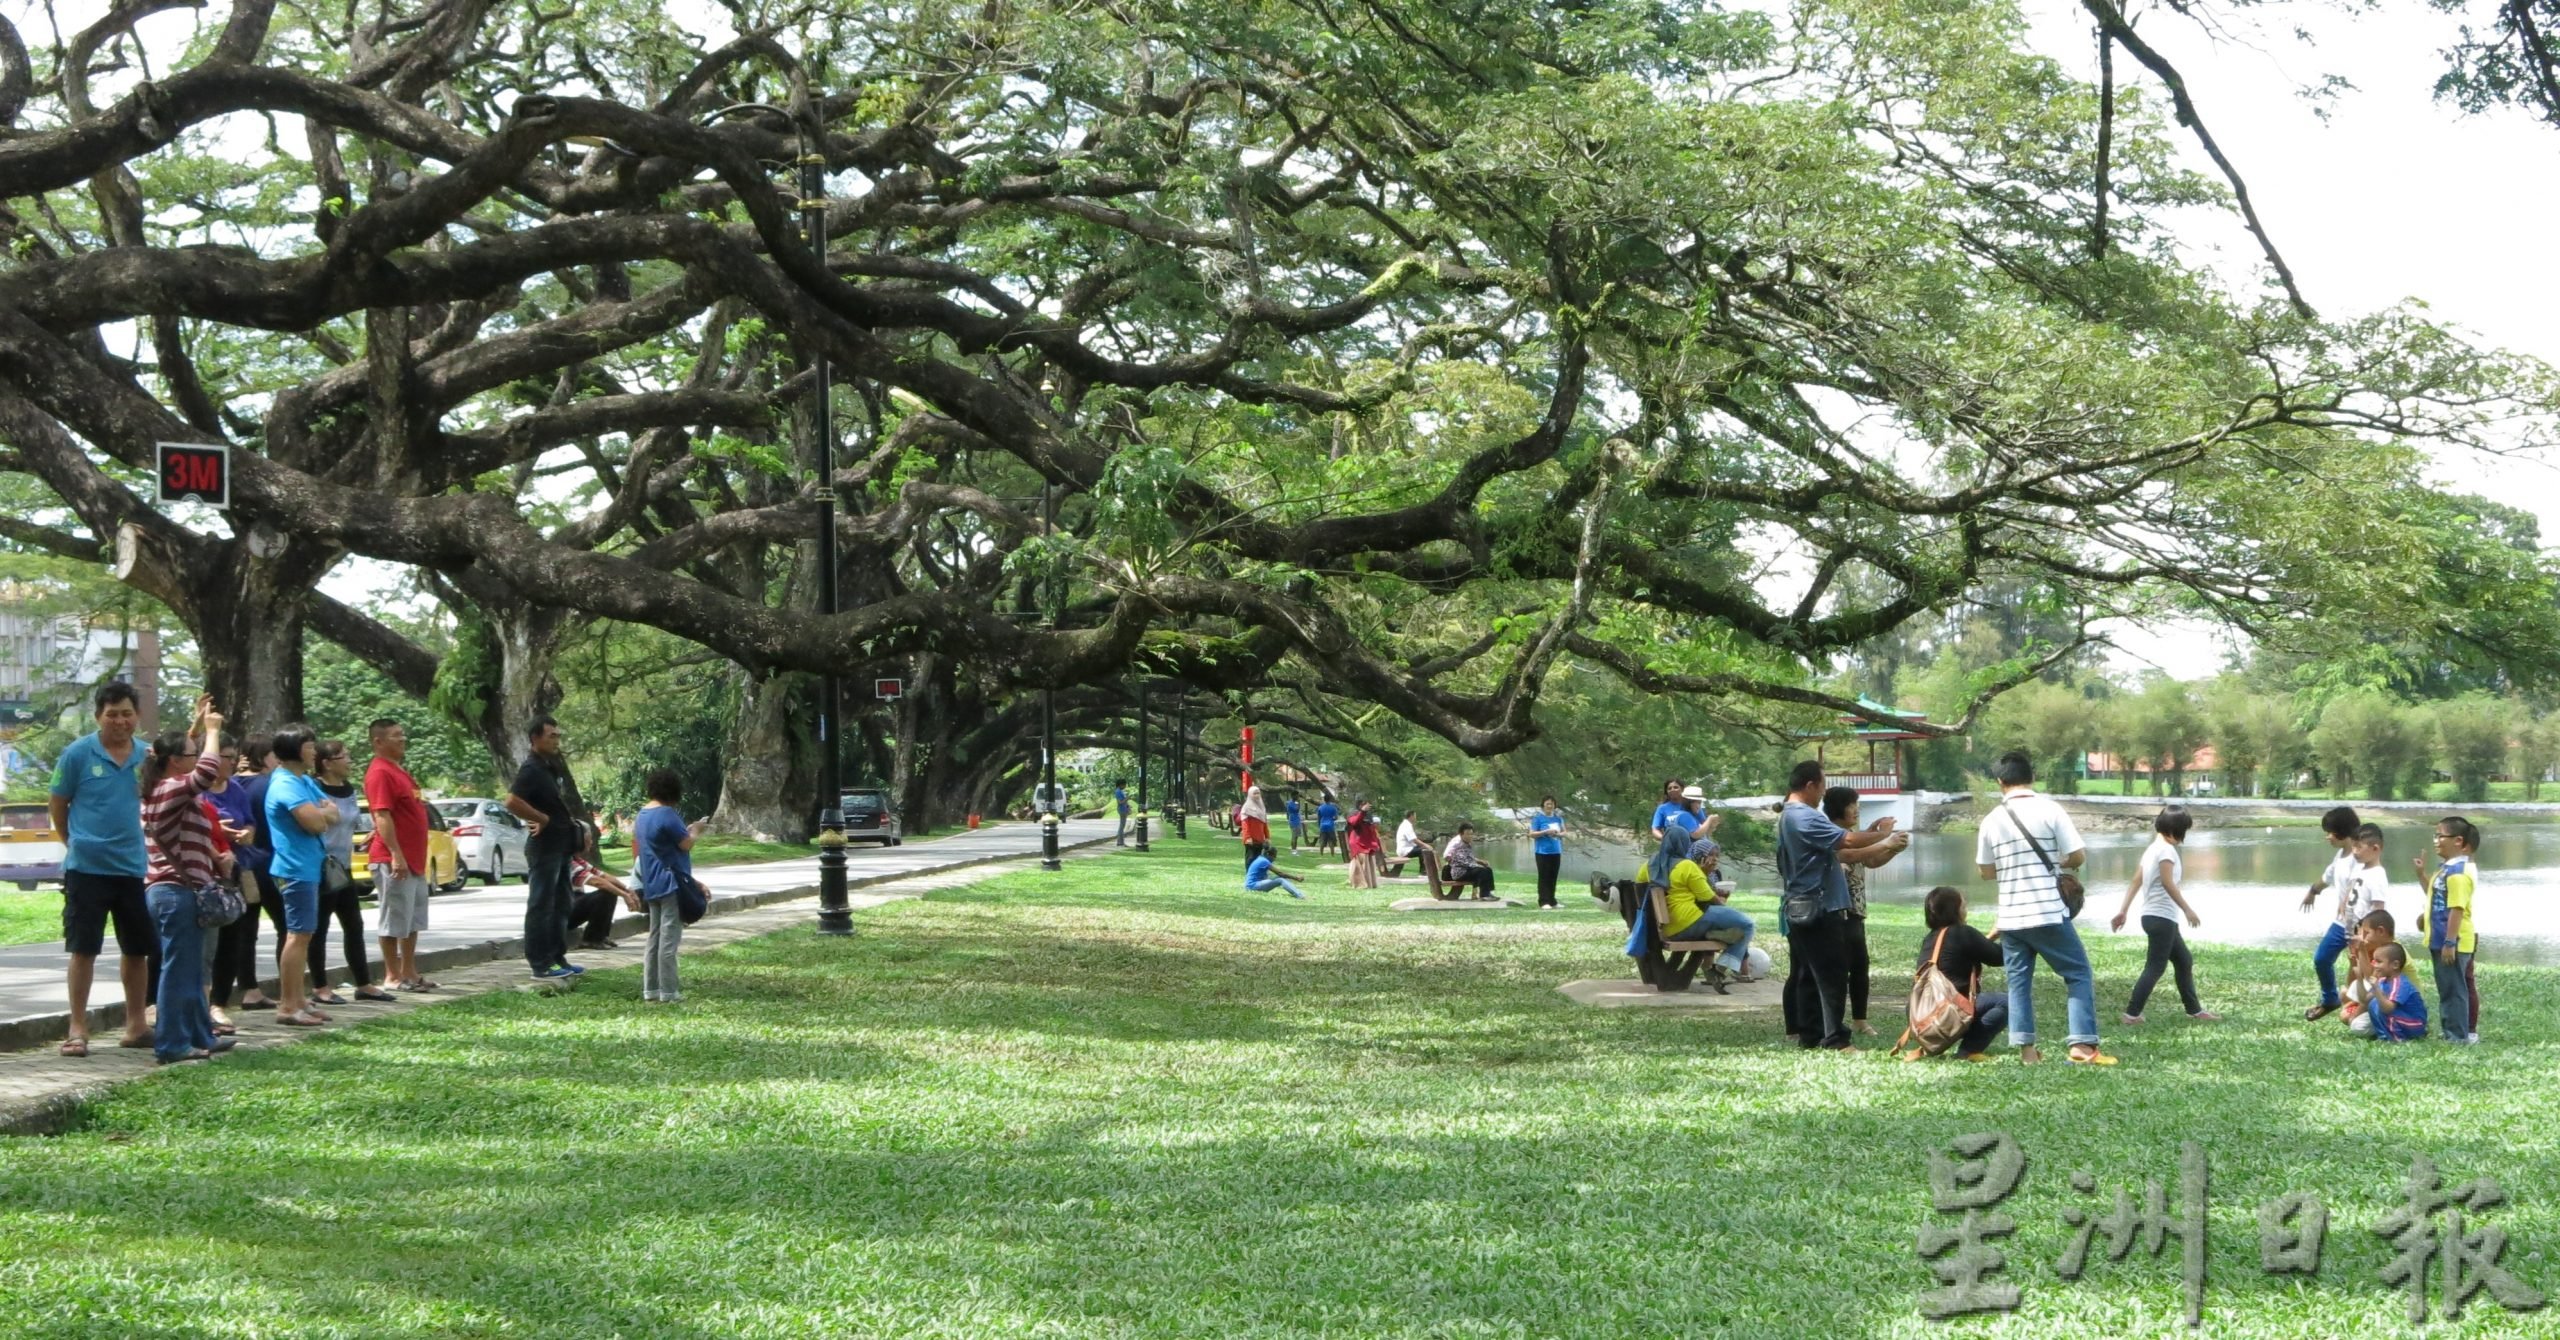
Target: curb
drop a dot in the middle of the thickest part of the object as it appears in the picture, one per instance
(41, 1030)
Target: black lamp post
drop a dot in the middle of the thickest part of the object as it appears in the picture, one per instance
(1049, 798)
(1173, 770)
(1142, 765)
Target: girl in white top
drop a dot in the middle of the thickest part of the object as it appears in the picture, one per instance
(2160, 886)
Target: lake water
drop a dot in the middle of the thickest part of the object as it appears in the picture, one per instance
(2246, 883)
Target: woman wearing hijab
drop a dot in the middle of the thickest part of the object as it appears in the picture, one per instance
(1253, 824)
(1693, 903)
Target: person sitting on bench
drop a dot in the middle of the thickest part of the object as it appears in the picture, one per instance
(1459, 866)
(1694, 908)
(1411, 847)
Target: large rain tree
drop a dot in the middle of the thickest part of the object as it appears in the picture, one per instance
(1355, 357)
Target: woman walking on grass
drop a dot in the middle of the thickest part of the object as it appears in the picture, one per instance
(2160, 884)
(662, 843)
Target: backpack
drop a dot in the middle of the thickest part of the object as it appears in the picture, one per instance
(1939, 1013)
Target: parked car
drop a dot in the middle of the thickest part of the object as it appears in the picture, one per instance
(488, 836)
(30, 854)
(444, 860)
(869, 817)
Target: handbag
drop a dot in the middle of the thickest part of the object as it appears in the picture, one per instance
(219, 904)
(335, 878)
(2074, 896)
(1938, 1012)
(691, 903)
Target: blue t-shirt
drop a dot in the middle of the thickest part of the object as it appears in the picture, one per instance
(298, 855)
(1674, 812)
(2408, 1016)
(105, 812)
(1550, 824)
(1257, 872)
(1809, 856)
(662, 863)
(1326, 813)
(1297, 818)
(1121, 794)
(238, 803)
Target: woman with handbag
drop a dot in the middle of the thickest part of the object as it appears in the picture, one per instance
(178, 838)
(1961, 953)
(662, 847)
(340, 895)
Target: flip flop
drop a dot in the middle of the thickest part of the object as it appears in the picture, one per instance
(75, 1046)
(2319, 1012)
(306, 1019)
(145, 1040)
(2095, 1057)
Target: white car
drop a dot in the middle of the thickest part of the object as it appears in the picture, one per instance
(488, 836)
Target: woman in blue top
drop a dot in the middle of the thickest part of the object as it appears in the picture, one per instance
(1262, 876)
(663, 846)
(1546, 842)
(297, 812)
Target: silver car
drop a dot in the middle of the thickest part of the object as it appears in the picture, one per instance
(487, 835)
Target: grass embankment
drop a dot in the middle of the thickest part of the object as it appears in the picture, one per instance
(30, 918)
(1132, 1100)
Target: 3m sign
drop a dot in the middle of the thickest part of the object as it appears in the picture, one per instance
(195, 470)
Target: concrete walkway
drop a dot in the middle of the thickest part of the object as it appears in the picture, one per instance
(486, 925)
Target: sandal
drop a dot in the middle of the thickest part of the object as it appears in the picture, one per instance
(306, 1019)
(226, 1030)
(2319, 1012)
(375, 993)
(327, 998)
(2091, 1056)
(75, 1046)
(145, 1039)
(256, 1000)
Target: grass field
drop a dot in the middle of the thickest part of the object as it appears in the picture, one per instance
(30, 918)
(1132, 1100)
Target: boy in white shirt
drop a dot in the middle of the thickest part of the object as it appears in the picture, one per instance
(2160, 883)
(2339, 825)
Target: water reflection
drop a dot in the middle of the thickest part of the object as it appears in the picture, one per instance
(2246, 883)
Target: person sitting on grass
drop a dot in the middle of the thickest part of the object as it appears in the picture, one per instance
(1262, 877)
(1459, 866)
(2338, 881)
(2377, 929)
(2399, 1012)
(1962, 954)
(2158, 880)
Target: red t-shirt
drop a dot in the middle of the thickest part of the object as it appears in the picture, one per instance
(388, 786)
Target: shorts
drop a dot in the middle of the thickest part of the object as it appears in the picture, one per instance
(301, 906)
(401, 905)
(89, 901)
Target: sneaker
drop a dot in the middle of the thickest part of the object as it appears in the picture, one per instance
(572, 970)
(554, 975)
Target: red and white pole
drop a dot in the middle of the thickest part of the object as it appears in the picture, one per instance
(1248, 757)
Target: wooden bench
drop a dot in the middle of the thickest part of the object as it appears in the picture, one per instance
(1665, 965)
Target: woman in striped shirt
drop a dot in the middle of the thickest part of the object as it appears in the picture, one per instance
(179, 837)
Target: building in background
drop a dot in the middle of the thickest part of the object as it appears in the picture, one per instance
(49, 662)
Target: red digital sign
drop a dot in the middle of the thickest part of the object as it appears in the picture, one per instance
(889, 689)
(195, 470)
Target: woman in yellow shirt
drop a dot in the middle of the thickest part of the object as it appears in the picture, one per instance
(1693, 907)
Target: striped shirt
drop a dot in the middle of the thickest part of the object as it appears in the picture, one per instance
(175, 829)
(2029, 893)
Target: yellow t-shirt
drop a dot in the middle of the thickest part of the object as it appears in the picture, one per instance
(2453, 888)
(1686, 899)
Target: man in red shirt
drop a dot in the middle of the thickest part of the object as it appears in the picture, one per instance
(399, 854)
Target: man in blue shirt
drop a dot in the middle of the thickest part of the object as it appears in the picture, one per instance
(97, 810)
(1297, 824)
(1546, 843)
(1813, 900)
(1326, 814)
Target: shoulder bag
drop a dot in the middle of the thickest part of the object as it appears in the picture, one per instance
(2074, 897)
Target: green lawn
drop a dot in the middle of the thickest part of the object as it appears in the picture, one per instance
(29, 918)
(1132, 1100)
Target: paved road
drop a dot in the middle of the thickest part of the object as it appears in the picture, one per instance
(485, 922)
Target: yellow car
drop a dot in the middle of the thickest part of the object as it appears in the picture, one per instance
(444, 860)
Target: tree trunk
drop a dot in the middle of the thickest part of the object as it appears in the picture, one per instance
(769, 776)
(246, 615)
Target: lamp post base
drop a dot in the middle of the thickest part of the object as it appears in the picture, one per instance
(1142, 832)
(835, 915)
(1049, 843)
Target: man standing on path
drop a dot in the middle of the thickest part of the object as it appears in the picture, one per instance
(1120, 796)
(399, 853)
(1814, 903)
(552, 838)
(97, 811)
(2026, 843)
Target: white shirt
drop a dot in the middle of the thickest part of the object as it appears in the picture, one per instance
(2029, 893)
(1406, 838)
(2155, 895)
(2340, 882)
(2368, 888)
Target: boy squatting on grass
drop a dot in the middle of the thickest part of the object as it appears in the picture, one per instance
(2399, 1012)
(2353, 896)
(2376, 930)
(2451, 939)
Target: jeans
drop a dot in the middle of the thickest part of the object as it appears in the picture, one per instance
(1275, 882)
(1861, 973)
(350, 915)
(2453, 997)
(2168, 949)
(666, 936)
(1820, 991)
(186, 1024)
(1722, 922)
(2324, 961)
(1547, 868)
(1990, 1012)
(1121, 838)
(546, 909)
(2059, 944)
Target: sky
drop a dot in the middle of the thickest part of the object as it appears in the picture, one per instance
(2394, 197)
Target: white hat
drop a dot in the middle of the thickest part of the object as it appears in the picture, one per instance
(1692, 793)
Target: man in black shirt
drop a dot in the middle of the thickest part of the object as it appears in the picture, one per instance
(552, 838)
